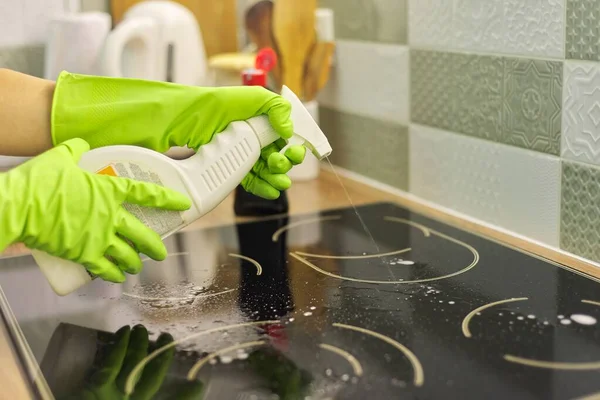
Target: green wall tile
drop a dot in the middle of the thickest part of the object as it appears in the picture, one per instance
(367, 146)
(25, 59)
(532, 104)
(372, 20)
(432, 99)
(580, 210)
(478, 96)
(515, 101)
(583, 29)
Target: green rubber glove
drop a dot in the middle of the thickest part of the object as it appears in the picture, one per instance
(129, 348)
(158, 115)
(50, 204)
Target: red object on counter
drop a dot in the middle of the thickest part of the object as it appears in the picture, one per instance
(266, 59)
(254, 77)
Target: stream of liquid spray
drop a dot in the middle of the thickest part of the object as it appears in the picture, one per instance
(362, 222)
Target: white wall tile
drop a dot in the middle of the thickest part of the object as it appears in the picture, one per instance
(430, 23)
(370, 79)
(509, 187)
(11, 23)
(581, 112)
(37, 16)
(521, 27)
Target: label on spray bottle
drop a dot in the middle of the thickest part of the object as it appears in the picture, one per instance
(160, 221)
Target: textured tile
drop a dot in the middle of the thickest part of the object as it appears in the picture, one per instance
(509, 187)
(383, 95)
(580, 210)
(479, 24)
(532, 104)
(478, 96)
(432, 98)
(583, 29)
(581, 112)
(37, 16)
(367, 146)
(26, 59)
(12, 30)
(371, 20)
(535, 28)
(431, 23)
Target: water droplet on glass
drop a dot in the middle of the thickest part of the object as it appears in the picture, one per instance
(583, 319)
(328, 372)
(345, 377)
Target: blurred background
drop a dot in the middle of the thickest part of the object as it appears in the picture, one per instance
(487, 107)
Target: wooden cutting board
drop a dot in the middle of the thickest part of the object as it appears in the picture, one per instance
(294, 32)
(217, 20)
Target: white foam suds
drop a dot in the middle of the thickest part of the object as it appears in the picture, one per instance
(583, 319)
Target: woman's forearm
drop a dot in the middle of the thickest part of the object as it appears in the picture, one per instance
(25, 109)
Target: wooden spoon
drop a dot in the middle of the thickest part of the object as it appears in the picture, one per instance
(258, 22)
(318, 68)
(294, 32)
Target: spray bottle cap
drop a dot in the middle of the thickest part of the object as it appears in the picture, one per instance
(306, 130)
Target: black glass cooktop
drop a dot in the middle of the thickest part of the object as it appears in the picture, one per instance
(311, 307)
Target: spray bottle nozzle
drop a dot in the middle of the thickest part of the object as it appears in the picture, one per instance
(306, 130)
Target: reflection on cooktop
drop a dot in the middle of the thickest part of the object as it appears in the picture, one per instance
(312, 307)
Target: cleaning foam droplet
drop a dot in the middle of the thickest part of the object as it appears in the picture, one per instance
(531, 316)
(520, 318)
(450, 302)
(565, 321)
(583, 319)
(313, 308)
(307, 314)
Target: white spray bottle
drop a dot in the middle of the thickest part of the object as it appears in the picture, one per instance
(206, 178)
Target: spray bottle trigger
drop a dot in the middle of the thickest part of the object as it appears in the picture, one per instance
(293, 141)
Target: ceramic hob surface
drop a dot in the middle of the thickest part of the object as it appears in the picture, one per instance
(311, 307)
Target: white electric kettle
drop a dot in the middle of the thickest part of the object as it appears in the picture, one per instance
(157, 40)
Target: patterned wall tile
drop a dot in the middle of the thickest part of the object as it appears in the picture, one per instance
(534, 27)
(532, 104)
(432, 96)
(580, 210)
(583, 29)
(367, 146)
(372, 20)
(26, 59)
(581, 112)
(479, 25)
(506, 186)
(430, 23)
(383, 95)
(478, 96)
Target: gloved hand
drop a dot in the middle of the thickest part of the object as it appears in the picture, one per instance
(50, 204)
(128, 349)
(157, 115)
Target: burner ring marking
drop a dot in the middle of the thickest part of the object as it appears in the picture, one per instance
(254, 262)
(203, 296)
(358, 371)
(426, 231)
(391, 253)
(416, 364)
(567, 366)
(201, 362)
(279, 231)
(465, 324)
(135, 372)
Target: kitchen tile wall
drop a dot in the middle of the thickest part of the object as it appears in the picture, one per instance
(503, 106)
